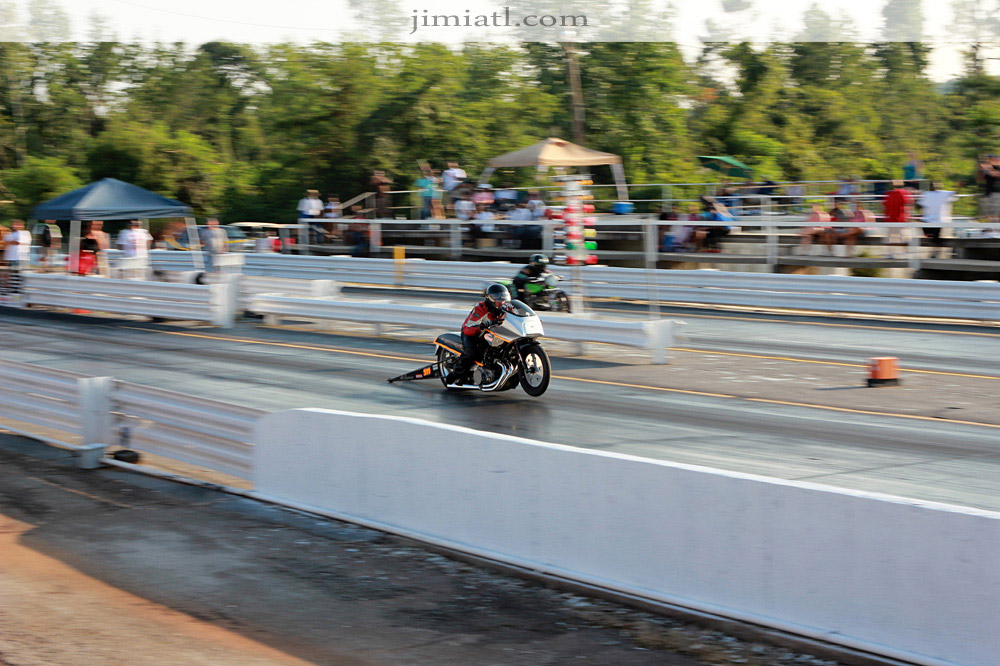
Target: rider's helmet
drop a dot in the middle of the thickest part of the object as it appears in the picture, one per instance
(538, 260)
(496, 296)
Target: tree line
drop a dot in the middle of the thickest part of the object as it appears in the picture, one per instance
(239, 131)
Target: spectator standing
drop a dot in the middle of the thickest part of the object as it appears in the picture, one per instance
(847, 187)
(50, 242)
(214, 242)
(989, 203)
(451, 178)
(310, 205)
(897, 205)
(935, 204)
(913, 171)
(332, 209)
(16, 253)
(425, 186)
(103, 245)
(86, 258)
(135, 242)
(381, 183)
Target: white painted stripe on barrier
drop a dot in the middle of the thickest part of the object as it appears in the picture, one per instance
(911, 580)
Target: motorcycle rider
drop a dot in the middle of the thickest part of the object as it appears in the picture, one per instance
(535, 270)
(491, 310)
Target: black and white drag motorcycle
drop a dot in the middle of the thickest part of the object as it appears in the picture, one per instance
(513, 356)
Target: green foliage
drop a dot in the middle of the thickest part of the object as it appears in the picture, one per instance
(38, 180)
(240, 131)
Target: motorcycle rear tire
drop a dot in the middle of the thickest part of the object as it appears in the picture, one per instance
(542, 370)
(444, 355)
(562, 303)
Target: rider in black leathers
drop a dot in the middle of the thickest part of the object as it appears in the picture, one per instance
(535, 269)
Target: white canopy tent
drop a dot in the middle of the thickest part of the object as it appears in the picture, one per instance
(559, 153)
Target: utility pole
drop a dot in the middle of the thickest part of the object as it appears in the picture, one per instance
(576, 90)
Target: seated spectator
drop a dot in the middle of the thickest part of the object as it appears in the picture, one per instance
(848, 235)
(727, 196)
(520, 213)
(483, 195)
(465, 209)
(536, 205)
(716, 212)
(818, 229)
(506, 198)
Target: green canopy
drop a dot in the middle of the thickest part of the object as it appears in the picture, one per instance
(727, 166)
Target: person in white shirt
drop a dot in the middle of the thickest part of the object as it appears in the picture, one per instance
(936, 206)
(465, 208)
(452, 176)
(310, 205)
(520, 214)
(16, 254)
(214, 241)
(135, 243)
(17, 245)
(536, 205)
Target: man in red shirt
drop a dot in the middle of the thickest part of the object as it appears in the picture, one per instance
(491, 310)
(897, 205)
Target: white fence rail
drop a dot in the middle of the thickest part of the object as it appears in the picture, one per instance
(899, 297)
(654, 335)
(87, 414)
(209, 303)
(198, 431)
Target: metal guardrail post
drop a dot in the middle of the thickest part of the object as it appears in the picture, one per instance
(913, 255)
(455, 238)
(95, 419)
(375, 238)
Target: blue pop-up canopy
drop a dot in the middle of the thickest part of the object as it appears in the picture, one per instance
(110, 199)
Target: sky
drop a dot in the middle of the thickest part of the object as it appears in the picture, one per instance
(199, 21)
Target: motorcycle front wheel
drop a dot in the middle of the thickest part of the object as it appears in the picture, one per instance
(535, 370)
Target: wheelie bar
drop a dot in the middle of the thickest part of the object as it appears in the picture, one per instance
(432, 371)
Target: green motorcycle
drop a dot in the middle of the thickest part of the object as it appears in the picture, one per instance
(542, 294)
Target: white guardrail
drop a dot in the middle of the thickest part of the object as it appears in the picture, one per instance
(655, 335)
(214, 303)
(913, 581)
(87, 414)
(901, 297)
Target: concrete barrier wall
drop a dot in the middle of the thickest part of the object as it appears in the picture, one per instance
(912, 580)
